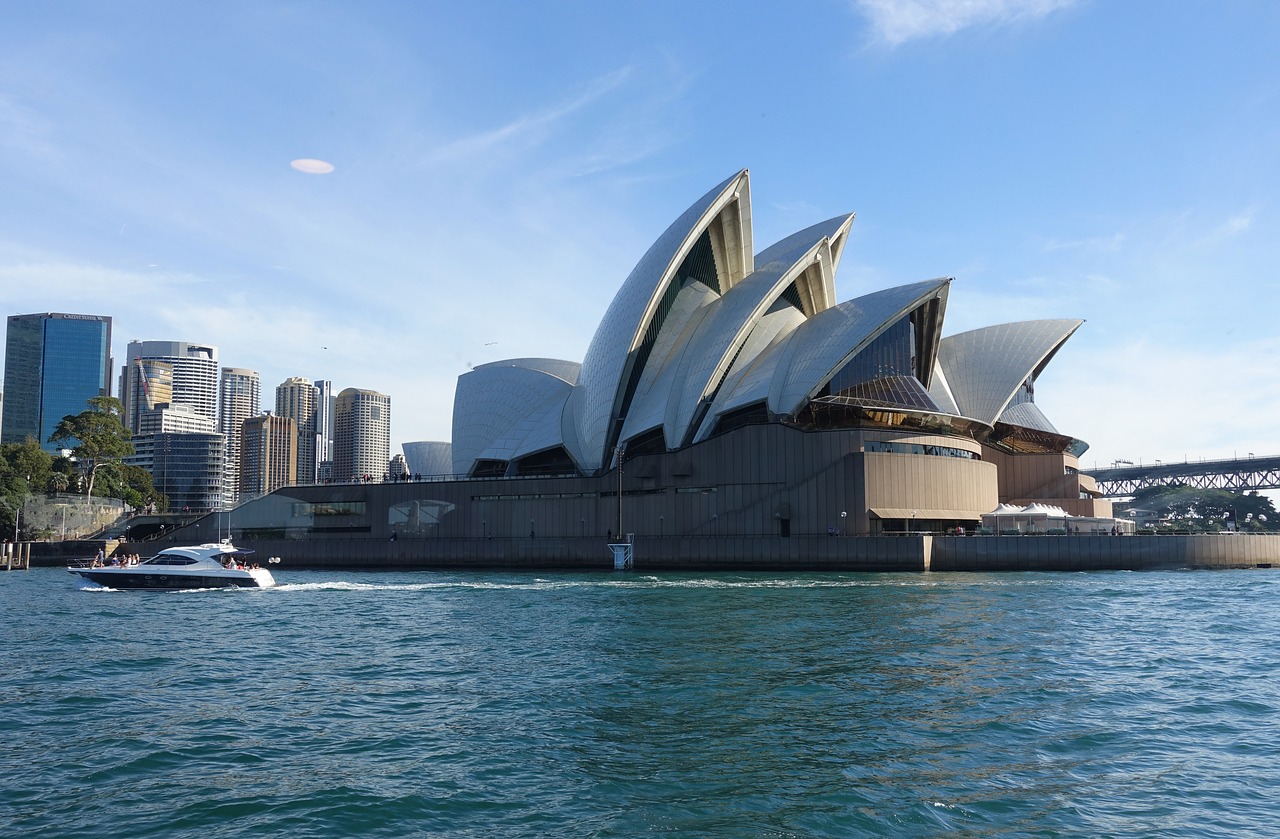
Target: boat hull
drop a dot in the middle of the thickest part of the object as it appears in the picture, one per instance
(134, 579)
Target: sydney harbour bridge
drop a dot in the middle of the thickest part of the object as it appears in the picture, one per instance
(1237, 474)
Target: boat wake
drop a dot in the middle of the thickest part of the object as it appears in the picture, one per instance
(627, 582)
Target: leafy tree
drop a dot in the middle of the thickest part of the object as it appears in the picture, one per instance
(1203, 510)
(141, 481)
(96, 437)
(138, 489)
(22, 466)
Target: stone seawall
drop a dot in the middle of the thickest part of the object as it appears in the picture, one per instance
(1104, 553)
(797, 553)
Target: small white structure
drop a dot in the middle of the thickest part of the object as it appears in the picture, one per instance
(1036, 518)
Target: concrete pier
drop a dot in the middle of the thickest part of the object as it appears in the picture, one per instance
(16, 556)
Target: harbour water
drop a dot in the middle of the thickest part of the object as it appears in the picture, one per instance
(699, 705)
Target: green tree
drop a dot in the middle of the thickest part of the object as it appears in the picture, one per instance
(22, 466)
(96, 437)
(1203, 510)
(138, 488)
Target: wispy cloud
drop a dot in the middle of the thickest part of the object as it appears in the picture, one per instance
(23, 129)
(898, 21)
(1228, 229)
(527, 127)
(86, 284)
(1109, 243)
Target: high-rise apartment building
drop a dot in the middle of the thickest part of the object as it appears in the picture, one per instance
(172, 372)
(54, 364)
(296, 399)
(268, 454)
(187, 467)
(362, 435)
(239, 398)
(181, 419)
(324, 424)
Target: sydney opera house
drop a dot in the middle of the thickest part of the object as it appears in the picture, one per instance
(727, 393)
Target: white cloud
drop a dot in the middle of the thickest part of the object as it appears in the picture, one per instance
(526, 128)
(1228, 229)
(898, 21)
(24, 129)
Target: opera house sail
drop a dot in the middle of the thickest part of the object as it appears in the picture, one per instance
(729, 392)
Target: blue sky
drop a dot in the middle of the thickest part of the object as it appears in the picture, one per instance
(500, 166)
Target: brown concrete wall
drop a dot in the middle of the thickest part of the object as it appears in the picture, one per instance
(1099, 553)
(758, 481)
(799, 553)
(928, 483)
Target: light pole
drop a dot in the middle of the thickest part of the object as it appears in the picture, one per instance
(620, 450)
(843, 516)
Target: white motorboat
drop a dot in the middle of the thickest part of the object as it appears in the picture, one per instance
(211, 565)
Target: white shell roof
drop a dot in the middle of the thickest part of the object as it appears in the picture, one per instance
(1027, 415)
(940, 390)
(561, 369)
(749, 377)
(605, 367)
(824, 343)
(985, 367)
(653, 393)
(735, 346)
(728, 326)
(429, 457)
(502, 409)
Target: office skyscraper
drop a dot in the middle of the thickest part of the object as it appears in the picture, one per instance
(362, 435)
(240, 397)
(296, 399)
(54, 364)
(268, 454)
(168, 372)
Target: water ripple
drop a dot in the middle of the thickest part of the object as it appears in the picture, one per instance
(626, 705)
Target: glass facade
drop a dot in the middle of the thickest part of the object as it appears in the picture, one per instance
(54, 364)
(186, 467)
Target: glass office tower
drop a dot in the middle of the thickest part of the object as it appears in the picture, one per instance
(54, 364)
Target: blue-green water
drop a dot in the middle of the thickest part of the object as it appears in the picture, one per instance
(498, 705)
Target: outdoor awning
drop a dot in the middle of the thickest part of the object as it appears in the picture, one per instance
(920, 513)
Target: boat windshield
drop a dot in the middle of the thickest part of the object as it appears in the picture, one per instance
(162, 559)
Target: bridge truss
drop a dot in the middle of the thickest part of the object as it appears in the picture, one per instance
(1237, 474)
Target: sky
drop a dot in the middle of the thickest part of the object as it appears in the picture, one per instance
(499, 167)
